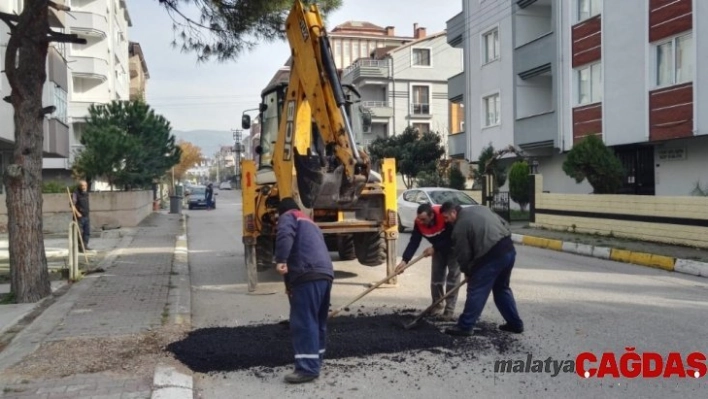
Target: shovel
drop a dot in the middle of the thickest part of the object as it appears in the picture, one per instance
(436, 303)
(376, 285)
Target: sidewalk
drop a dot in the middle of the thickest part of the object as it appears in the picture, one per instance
(103, 337)
(675, 258)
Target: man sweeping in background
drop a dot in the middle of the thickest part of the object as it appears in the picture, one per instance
(301, 256)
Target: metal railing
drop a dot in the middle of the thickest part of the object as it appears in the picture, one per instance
(420, 109)
(376, 104)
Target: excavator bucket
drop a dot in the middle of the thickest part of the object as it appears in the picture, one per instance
(321, 189)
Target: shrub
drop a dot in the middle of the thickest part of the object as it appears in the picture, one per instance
(591, 159)
(519, 187)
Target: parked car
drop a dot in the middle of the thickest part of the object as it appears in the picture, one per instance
(197, 198)
(225, 185)
(410, 200)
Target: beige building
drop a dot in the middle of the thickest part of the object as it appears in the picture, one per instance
(139, 73)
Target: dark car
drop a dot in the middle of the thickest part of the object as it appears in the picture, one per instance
(197, 198)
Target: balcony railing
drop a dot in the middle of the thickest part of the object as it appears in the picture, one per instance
(376, 104)
(89, 23)
(420, 109)
(366, 68)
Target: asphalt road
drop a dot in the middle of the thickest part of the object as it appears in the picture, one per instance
(570, 305)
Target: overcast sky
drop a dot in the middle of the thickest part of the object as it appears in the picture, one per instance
(212, 96)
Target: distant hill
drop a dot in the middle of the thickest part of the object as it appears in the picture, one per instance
(208, 140)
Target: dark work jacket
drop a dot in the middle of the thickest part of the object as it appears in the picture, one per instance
(439, 235)
(300, 244)
(81, 202)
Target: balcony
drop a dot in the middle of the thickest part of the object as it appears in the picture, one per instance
(420, 110)
(57, 68)
(366, 71)
(89, 68)
(536, 131)
(456, 88)
(456, 30)
(457, 145)
(56, 139)
(90, 24)
(535, 57)
(378, 109)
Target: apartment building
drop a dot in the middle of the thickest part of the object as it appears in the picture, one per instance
(55, 125)
(406, 85)
(100, 71)
(139, 73)
(565, 69)
(358, 39)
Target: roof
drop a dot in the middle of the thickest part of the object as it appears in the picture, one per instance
(421, 40)
(358, 25)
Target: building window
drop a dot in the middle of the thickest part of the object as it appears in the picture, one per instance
(338, 53)
(421, 57)
(364, 50)
(588, 9)
(420, 100)
(491, 106)
(589, 84)
(490, 44)
(347, 54)
(421, 127)
(674, 61)
(59, 100)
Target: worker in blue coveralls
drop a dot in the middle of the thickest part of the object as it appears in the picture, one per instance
(301, 256)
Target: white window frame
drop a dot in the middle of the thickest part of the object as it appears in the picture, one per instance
(673, 70)
(595, 7)
(421, 123)
(594, 97)
(430, 57)
(411, 96)
(483, 45)
(485, 110)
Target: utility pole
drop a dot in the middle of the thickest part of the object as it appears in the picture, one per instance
(238, 147)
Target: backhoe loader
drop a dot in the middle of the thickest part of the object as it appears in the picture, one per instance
(307, 151)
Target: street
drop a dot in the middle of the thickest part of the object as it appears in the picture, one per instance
(570, 305)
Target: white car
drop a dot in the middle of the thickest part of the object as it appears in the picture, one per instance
(225, 185)
(410, 200)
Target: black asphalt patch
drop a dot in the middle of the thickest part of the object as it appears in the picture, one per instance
(265, 346)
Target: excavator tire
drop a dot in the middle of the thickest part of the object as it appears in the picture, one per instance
(370, 248)
(345, 247)
(264, 253)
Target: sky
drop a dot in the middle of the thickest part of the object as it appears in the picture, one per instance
(212, 96)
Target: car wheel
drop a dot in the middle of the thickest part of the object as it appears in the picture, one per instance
(401, 228)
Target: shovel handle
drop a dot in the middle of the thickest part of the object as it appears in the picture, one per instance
(436, 303)
(377, 284)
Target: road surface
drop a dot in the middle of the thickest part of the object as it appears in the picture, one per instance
(570, 305)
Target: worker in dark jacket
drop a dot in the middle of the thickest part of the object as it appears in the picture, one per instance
(484, 249)
(445, 272)
(301, 256)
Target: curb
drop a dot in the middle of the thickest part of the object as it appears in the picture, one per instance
(668, 263)
(167, 381)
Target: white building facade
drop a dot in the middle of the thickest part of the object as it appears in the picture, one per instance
(625, 71)
(100, 69)
(407, 86)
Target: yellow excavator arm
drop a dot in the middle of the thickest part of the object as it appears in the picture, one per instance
(315, 137)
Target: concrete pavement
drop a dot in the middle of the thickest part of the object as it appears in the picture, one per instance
(87, 343)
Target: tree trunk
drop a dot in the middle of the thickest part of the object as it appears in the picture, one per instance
(23, 178)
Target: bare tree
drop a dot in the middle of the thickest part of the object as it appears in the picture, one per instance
(25, 67)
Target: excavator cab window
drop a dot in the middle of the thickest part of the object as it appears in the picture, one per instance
(271, 108)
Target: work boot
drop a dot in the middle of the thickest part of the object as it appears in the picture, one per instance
(297, 377)
(447, 316)
(509, 328)
(457, 331)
